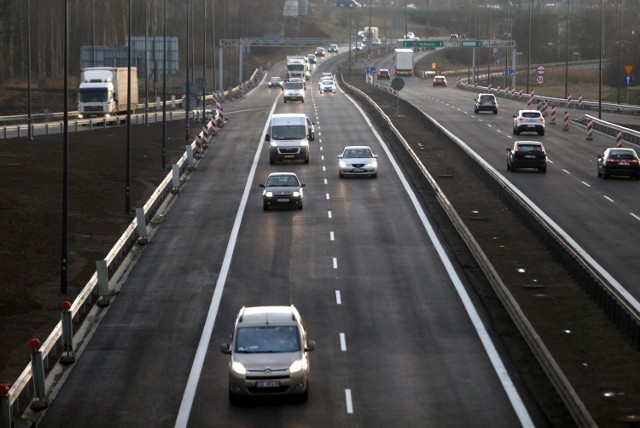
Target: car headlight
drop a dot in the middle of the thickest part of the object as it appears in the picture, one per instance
(343, 164)
(238, 368)
(297, 366)
(268, 194)
(304, 143)
(273, 144)
(296, 194)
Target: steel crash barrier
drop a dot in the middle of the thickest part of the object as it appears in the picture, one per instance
(29, 394)
(609, 296)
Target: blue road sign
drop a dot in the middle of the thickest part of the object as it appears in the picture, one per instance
(628, 80)
(369, 70)
(508, 72)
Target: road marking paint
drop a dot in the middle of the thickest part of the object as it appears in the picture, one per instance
(565, 171)
(325, 181)
(335, 263)
(608, 198)
(585, 183)
(635, 216)
(324, 169)
(343, 342)
(328, 196)
(331, 236)
(329, 213)
(338, 297)
(347, 396)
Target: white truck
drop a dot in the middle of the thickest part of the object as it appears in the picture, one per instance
(298, 67)
(403, 60)
(370, 33)
(103, 91)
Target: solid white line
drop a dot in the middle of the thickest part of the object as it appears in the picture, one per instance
(343, 342)
(201, 352)
(502, 373)
(347, 396)
(338, 297)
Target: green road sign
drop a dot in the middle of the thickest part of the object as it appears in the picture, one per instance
(422, 43)
(471, 44)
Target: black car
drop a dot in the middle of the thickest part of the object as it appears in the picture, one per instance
(527, 154)
(282, 189)
(619, 161)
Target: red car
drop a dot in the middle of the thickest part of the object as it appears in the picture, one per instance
(383, 73)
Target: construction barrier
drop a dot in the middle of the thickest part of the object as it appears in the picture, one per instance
(569, 99)
(553, 115)
(589, 129)
(618, 138)
(580, 101)
(565, 126)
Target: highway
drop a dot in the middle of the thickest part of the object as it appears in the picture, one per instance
(600, 215)
(400, 341)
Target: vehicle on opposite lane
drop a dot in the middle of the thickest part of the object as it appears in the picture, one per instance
(357, 160)
(485, 102)
(618, 161)
(528, 121)
(275, 82)
(269, 353)
(327, 85)
(282, 189)
(527, 154)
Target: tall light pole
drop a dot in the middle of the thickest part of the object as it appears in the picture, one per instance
(600, 64)
(29, 68)
(566, 66)
(65, 157)
(127, 191)
(620, 3)
(529, 47)
(164, 89)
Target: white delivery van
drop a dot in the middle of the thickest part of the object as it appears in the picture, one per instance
(288, 137)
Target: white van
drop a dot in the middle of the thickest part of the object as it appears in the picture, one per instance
(288, 137)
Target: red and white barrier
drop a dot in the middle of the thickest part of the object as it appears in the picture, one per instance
(618, 138)
(580, 101)
(569, 99)
(589, 129)
(565, 125)
(553, 115)
(530, 100)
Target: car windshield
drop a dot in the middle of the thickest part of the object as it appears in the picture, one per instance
(357, 153)
(288, 132)
(282, 180)
(531, 114)
(268, 339)
(529, 148)
(621, 154)
(487, 97)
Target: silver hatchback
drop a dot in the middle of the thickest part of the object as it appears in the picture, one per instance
(269, 354)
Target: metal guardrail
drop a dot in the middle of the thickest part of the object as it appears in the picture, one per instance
(624, 314)
(20, 391)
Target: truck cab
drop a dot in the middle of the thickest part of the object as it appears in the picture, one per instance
(288, 137)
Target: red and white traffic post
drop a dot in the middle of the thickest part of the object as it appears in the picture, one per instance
(39, 401)
(589, 129)
(553, 114)
(619, 138)
(565, 124)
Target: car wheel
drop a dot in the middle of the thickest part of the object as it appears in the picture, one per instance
(475, 111)
(605, 175)
(541, 133)
(374, 175)
(341, 175)
(265, 206)
(272, 160)
(306, 160)
(599, 173)
(543, 169)
(516, 131)
(304, 397)
(303, 100)
(495, 112)
(300, 205)
(285, 100)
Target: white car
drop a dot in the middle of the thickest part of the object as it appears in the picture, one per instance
(528, 121)
(293, 91)
(357, 160)
(327, 85)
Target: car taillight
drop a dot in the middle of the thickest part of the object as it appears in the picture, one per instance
(480, 102)
(521, 119)
(493, 102)
(541, 119)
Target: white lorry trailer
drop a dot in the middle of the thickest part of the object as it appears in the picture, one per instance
(403, 60)
(103, 91)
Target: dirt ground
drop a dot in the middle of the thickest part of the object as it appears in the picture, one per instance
(595, 358)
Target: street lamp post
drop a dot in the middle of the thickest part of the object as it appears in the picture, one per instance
(529, 48)
(620, 3)
(566, 66)
(164, 89)
(128, 154)
(65, 157)
(600, 65)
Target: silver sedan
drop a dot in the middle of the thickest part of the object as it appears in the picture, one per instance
(357, 160)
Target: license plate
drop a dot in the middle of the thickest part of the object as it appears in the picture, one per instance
(288, 156)
(282, 200)
(530, 126)
(358, 170)
(530, 156)
(623, 163)
(268, 384)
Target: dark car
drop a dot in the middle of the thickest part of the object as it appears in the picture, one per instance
(619, 161)
(320, 51)
(282, 189)
(527, 154)
(485, 102)
(384, 73)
